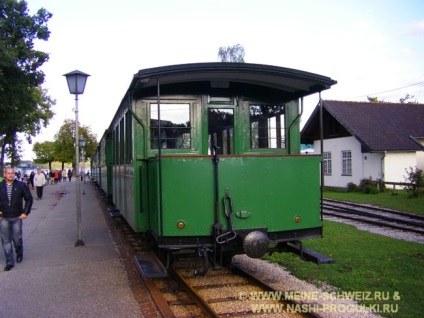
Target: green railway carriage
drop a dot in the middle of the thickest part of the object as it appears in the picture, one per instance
(206, 157)
(101, 165)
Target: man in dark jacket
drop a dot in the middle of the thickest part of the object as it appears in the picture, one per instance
(12, 212)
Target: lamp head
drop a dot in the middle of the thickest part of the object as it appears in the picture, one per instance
(76, 82)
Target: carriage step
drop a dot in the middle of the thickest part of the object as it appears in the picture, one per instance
(310, 255)
(149, 265)
(114, 212)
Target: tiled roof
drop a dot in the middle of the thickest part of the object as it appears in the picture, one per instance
(377, 126)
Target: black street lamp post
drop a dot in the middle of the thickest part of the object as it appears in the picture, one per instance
(76, 83)
(82, 145)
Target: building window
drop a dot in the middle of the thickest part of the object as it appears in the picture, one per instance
(346, 163)
(327, 163)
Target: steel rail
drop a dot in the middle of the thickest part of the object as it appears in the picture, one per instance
(248, 279)
(390, 218)
(373, 218)
(375, 208)
(161, 303)
(195, 295)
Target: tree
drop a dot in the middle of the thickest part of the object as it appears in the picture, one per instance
(408, 99)
(65, 142)
(233, 54)
(374, 100)
(45, 152)
(24, 105)
(11, 146)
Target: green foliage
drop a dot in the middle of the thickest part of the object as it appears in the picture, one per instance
(374, 100)
(352, 187)
(62, 148)
(408, 99)
(45, 152)
(234, 54)
(364, 262)
(368, 186)
(24, 105)
(65, 141)
(415, 177)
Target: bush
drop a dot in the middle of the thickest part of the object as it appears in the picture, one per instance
(367, 185)
(374, 191)
(352, 187)
(415, 177)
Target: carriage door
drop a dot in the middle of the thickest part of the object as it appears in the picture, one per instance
(221, 130)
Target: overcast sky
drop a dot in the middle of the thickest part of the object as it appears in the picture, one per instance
(370, 47)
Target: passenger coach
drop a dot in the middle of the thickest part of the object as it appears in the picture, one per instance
(206, 157)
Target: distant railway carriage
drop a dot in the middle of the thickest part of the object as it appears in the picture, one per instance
(207, 157)
(101, 164)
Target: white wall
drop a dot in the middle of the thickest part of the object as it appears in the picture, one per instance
(420, 155)
(373, 166)
(395, 164)
(420, 159)
(336, 146)
(364, 165)
(390, 166)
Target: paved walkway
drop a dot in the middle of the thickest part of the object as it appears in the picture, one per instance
(57, 279)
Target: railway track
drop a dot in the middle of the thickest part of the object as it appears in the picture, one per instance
(227, 292)
(223, 293)
(374, 215)
(233, 293)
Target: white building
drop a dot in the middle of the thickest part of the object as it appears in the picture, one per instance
(363, 140)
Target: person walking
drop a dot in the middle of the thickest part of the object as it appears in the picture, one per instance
(12, 212)
(39, 182)
(69, 174)
(51, 175)
(64, 175)
(56, 176)
(47, 176)
(31, 179)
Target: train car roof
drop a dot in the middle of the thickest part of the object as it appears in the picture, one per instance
(289, 82)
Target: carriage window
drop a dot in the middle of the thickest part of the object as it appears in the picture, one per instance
(221, 130)
(267, 126)
(174, 126)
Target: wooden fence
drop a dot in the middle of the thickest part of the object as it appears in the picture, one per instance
(381, 185)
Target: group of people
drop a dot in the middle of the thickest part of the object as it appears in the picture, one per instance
(14, 191)
(59, 176)
(41, 179)
(53, 177)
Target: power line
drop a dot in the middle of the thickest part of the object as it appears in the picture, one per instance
(390, 90)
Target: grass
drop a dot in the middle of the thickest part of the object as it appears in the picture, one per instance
(400, 201)
(365, 262)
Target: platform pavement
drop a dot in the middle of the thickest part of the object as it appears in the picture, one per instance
(57, 279)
